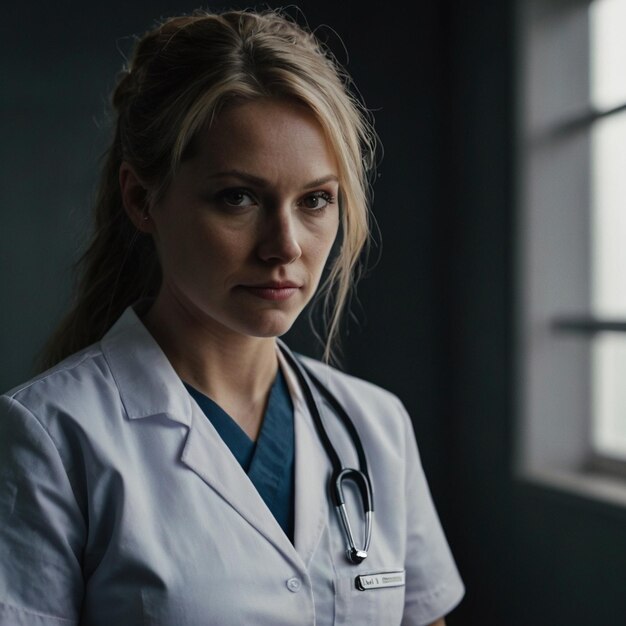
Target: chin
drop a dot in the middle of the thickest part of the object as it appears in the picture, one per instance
(273, 325)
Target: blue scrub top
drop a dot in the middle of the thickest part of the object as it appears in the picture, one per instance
(269, 462)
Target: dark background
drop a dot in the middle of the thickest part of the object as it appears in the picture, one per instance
(437, 313)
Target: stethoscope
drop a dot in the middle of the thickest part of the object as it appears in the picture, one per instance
(360, 477)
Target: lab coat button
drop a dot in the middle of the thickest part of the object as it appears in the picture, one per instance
(294, 584)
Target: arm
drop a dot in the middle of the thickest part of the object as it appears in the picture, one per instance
(42, 530)
(439, 622)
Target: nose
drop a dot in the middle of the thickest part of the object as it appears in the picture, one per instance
(279, 242)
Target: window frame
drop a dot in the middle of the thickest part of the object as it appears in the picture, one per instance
(554, 330)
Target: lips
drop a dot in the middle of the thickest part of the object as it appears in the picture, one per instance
(273, 290)
(276, 285)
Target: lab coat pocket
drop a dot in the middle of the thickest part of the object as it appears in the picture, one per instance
(376, 606)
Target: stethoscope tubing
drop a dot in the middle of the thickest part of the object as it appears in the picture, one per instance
(360, 477)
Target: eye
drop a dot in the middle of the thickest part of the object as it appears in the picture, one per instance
(236, 197)
(318, 201)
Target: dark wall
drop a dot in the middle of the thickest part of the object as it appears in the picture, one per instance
(476, 250)
(417, 314)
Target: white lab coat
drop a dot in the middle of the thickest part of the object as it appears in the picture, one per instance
(121, 505)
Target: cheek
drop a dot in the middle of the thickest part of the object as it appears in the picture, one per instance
(203, 249)
(322, 240)
(221, 247)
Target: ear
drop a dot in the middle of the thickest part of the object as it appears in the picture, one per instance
(135, 198)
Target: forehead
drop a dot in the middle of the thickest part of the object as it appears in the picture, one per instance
(268, 137)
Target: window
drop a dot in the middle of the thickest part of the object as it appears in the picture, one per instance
(572, 322)
(608, 206)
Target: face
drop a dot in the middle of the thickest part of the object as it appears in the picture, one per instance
(245, 228)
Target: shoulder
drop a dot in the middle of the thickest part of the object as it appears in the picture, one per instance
(350, 386)
(89, 383)
(65, 380)
(372, 408)
(63, 405)
(46, 417)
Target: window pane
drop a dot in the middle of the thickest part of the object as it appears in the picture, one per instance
(608, 53)
(609, 395)
(608, 145)
(609, 282)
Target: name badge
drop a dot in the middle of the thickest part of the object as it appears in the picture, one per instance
(381, 579)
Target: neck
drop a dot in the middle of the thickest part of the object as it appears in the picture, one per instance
(236, 371)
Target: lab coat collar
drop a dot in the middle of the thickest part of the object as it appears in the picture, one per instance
(149, 386)
(146, 380)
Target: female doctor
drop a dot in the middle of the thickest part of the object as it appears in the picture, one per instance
(170, 467)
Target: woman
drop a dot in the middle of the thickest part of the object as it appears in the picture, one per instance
(169, 467)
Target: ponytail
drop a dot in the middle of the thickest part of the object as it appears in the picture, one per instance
(119, 267)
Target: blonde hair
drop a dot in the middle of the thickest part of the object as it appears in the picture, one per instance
(180, 75)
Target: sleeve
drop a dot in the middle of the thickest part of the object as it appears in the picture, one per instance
(42, 530)
(433, 584)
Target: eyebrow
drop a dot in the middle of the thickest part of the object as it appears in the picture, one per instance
(261, 182)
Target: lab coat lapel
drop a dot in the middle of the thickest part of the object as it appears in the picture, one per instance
(312, 471)
(157, 390)
(206, 454)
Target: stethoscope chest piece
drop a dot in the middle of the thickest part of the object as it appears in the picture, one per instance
(355, 555)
